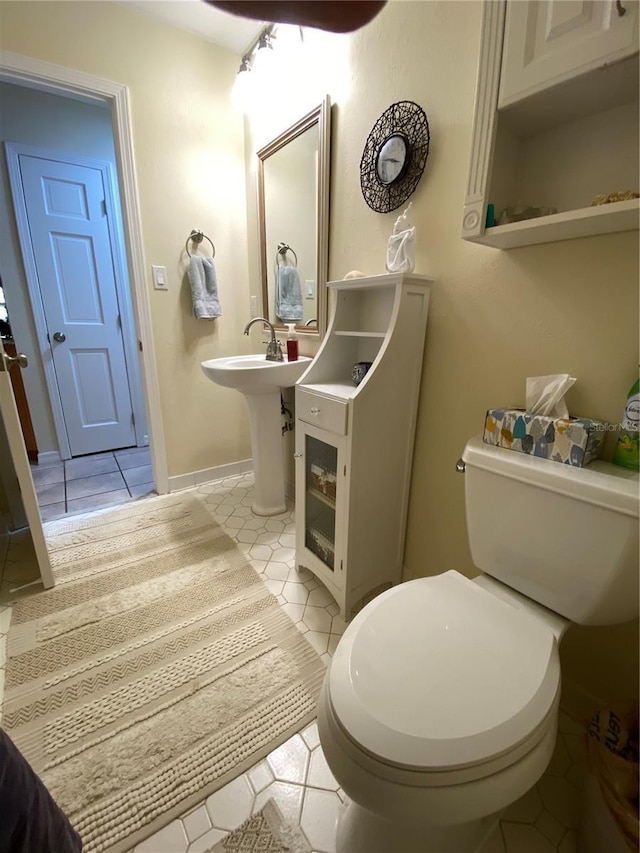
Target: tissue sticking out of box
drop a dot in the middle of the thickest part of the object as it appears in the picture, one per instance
(545, 395)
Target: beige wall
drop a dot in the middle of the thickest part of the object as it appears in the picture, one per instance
(496, 317)
(190, 168)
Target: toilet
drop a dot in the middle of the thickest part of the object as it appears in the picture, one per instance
(440, 705)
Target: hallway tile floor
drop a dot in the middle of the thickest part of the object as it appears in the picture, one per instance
(92, 482)
(296, 774)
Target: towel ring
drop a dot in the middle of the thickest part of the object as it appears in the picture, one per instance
(282, 251)
(197, 237)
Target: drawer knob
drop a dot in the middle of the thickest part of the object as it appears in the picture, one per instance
(315, 411)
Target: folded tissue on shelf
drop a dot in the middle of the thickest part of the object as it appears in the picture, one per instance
(544, 427)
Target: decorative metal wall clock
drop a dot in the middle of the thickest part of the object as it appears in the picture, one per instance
(394, 156)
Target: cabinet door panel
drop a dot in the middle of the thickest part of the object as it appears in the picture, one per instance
(549, 41)
(320, 506)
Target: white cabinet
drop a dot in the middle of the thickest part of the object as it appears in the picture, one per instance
(556, 120)
(549, 41)
(354, 444)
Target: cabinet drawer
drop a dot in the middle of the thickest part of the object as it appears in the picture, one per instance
(322, 412)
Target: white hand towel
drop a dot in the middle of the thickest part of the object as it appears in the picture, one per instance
(288, 294)
(204, 288)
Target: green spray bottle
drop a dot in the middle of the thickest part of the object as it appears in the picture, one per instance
(627, 453)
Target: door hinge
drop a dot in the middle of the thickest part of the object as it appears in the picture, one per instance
(340, 565)
(140, 346)
(103, 205)
(345, 471)
(133, 419)
(119, 322)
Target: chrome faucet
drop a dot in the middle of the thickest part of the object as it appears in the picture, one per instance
(274, 350)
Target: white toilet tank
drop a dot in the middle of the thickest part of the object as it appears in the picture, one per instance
(566, 537)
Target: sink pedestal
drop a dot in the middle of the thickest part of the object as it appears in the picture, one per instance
(261, 381)
(266, 445)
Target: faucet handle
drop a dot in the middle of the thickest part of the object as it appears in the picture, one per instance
(274, 350)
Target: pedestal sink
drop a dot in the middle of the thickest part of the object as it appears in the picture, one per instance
(261, 382)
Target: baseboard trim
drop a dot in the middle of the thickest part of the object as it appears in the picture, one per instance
(49, 457)
(208, 475)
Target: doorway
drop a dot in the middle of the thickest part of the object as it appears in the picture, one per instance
(68, 224)
(77, 87)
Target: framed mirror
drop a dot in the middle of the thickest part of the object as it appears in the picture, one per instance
(293, 217)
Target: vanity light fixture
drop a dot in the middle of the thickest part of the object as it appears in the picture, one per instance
(264, 53)
(257, 59)
(241, 91)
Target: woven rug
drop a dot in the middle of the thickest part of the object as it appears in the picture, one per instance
(157, 669)
(264, 832)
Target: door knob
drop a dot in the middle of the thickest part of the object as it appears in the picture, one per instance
(60, 337)
(9, 360)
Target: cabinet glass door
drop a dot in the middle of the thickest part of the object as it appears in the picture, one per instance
(321, 466)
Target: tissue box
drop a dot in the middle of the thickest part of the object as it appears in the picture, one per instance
(572, 441)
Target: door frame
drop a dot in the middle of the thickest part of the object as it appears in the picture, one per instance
(13, 151)
(18, 455)
(68, 82)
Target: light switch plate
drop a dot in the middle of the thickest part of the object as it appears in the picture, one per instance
(310, 288)
(159, 277)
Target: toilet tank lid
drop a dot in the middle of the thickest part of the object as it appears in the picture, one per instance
(600, 483)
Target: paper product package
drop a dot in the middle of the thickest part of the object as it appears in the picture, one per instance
(544, 427)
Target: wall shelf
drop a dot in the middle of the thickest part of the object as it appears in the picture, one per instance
(586, 222)
(556, 121)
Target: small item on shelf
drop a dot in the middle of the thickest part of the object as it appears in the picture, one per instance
(620, 195)
(401, 246)
(292, 342)
(353, 274)
(519, 213)
(627, 452)
(491, 216)
(359, 371)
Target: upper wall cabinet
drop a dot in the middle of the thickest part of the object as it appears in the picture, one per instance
(556, 122)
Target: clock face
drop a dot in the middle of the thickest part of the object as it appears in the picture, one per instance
(392, 159)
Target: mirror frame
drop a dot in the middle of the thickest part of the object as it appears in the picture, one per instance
(320, 116)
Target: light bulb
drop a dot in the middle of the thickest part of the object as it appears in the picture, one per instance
(264, 59)
(241, 93)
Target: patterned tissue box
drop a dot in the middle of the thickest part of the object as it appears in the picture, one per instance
(572, 441)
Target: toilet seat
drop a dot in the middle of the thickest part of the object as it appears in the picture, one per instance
(439, 676)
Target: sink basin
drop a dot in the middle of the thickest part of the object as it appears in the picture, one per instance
(253, 374)
(261, 381)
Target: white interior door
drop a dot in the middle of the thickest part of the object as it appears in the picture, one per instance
(11, 421)
(69, 243)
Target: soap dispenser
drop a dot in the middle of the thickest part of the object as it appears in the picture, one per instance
(292, 342)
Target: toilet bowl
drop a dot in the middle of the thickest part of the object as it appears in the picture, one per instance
(439, 707)
(432, 747)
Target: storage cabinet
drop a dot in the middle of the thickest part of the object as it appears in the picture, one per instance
(547, 42)
(556, 120)
(354, 444)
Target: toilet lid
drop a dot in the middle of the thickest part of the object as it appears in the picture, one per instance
(439, 674)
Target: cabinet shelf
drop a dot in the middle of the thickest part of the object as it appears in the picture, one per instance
(586, 222)
(346, 334)
(320, 496)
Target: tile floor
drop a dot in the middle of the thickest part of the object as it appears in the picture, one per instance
(295, 774)
(92, 482)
